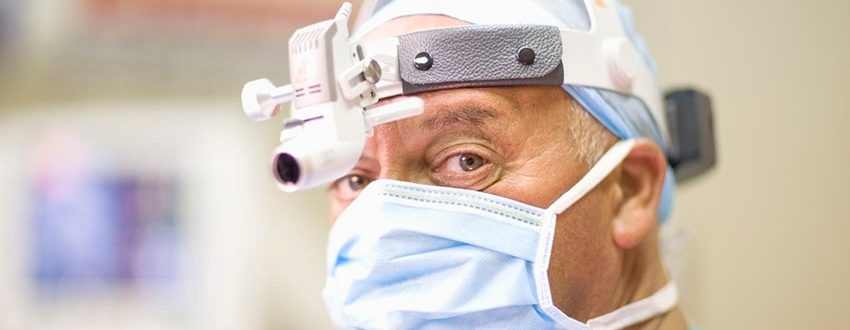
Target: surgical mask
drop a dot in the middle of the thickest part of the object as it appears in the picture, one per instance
(411, 256)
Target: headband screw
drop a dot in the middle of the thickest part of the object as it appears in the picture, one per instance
(525, 56)
(423, 61)
(372, 72)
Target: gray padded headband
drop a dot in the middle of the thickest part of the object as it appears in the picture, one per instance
(480, 55)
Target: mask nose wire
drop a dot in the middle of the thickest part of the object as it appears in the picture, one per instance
(609, 161)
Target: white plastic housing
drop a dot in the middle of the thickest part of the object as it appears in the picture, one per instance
(319, 162)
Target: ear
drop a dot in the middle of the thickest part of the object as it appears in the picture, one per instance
(641, 180)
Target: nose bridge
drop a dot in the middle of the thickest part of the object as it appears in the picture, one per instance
(396, 171)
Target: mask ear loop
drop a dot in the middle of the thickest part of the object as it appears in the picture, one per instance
(609, 161)
(660, 302)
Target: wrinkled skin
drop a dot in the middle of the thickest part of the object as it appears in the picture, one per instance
(516, 142)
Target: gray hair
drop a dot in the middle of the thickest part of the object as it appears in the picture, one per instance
(591, 139)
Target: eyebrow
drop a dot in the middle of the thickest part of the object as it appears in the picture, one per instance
(473, 115)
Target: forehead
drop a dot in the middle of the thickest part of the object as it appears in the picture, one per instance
(504, 116)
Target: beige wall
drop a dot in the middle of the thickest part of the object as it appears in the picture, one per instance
(765, 230)
(768, 246)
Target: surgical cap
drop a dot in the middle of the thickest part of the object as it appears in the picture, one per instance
(625, 116)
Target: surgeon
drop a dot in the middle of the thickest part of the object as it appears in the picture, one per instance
(527, 191)
(509, 152)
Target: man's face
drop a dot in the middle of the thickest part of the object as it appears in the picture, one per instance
(513, 142)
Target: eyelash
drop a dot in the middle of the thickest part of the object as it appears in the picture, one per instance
(468, 180)
(459, 156)
(438, 175)
(337, 187)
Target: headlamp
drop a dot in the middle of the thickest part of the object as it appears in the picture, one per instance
(336, 82)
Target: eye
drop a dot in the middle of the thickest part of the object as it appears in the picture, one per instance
(349, 186)
(471, 166)
(465, 162)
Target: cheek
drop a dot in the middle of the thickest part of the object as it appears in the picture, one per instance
(584, 260)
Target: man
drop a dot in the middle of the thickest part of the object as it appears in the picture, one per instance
(515, 170)
(529, 144)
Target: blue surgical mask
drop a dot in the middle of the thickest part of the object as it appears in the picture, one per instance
(411, 256)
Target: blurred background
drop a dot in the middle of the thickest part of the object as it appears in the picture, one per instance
(134, 193)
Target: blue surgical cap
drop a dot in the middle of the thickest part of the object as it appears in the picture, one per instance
(625, 116)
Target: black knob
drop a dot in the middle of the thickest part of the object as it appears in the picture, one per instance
(525, 56)
(423, 61)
